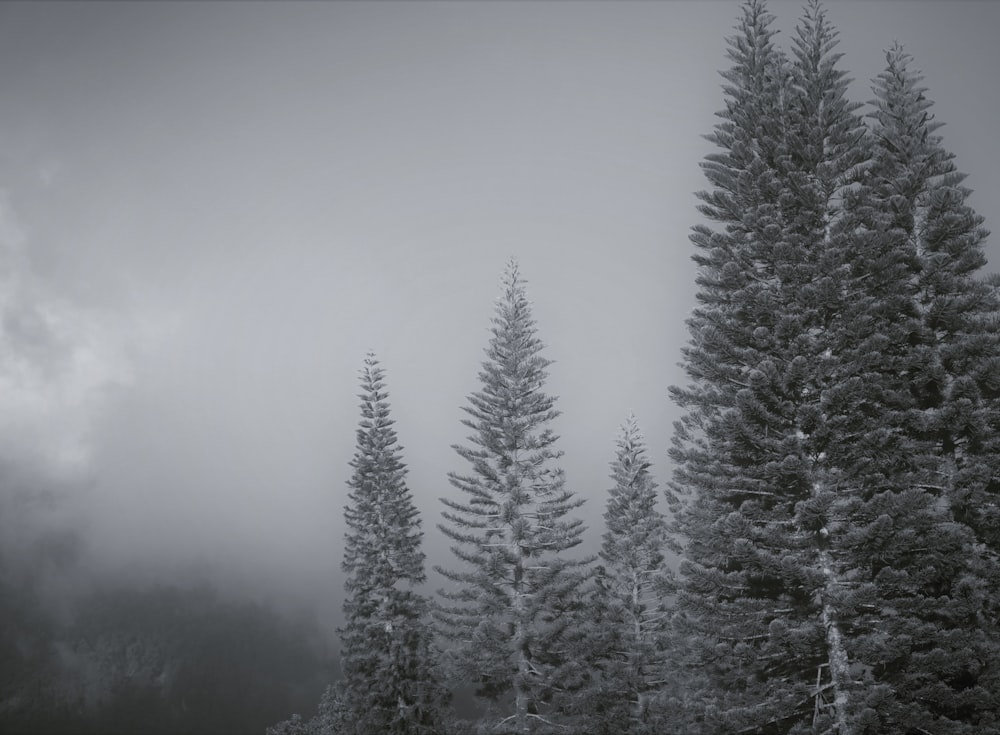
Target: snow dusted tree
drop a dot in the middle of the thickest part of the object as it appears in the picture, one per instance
(333, 717)
(389, 681)
(816, 558)
(917, 192)
(752, 599)
(634, 588)
(515, 595)
(912, 217)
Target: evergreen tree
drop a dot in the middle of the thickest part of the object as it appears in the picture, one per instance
(333, 718)
(389, 681)
(750, 573)
(634, 588)
(818, 566)
(511, 611)
(916, 192)
(911, 202)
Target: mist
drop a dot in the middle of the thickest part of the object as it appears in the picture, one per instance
(209, 213)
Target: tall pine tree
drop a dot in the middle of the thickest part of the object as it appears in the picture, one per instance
(390, 685)
(634, 588)
(751, 602)
(915, 191)
(511, 607)
(910, 202)
(816, 560)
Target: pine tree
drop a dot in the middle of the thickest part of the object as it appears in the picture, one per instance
(911, 202)
(816, 560)
(389, 682)
(515, 595)
(919, 195)
(634, 588)
(751, 581)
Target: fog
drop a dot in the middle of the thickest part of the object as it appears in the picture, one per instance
(211, 212)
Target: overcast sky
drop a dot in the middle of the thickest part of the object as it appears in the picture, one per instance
(209, 212)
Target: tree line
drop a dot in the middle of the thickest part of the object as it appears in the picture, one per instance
(834, 495)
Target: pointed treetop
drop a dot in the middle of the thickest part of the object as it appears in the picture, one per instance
(815, 36)
(751, 47)
(901, 107)
(371, 372)
(755, 15)
(630, 422)
(512, 282)
(630, 513)
(896, 51)
(512, 266)
(897, 62)
(628, 434)
(630, 460)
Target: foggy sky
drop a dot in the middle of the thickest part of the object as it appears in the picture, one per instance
(209, 212)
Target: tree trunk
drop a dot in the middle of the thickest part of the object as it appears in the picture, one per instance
(836, 653)
(636, 662)
(521, 694)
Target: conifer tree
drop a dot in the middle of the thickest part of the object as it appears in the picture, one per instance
(911, 202)
(389, 683)
(515, 593)
(634, 586)
(812, 544)
(750, 573)
(918, 194)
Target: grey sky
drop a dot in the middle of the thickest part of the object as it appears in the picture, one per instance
(211, 211)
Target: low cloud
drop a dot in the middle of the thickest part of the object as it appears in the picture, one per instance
(59, 363)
